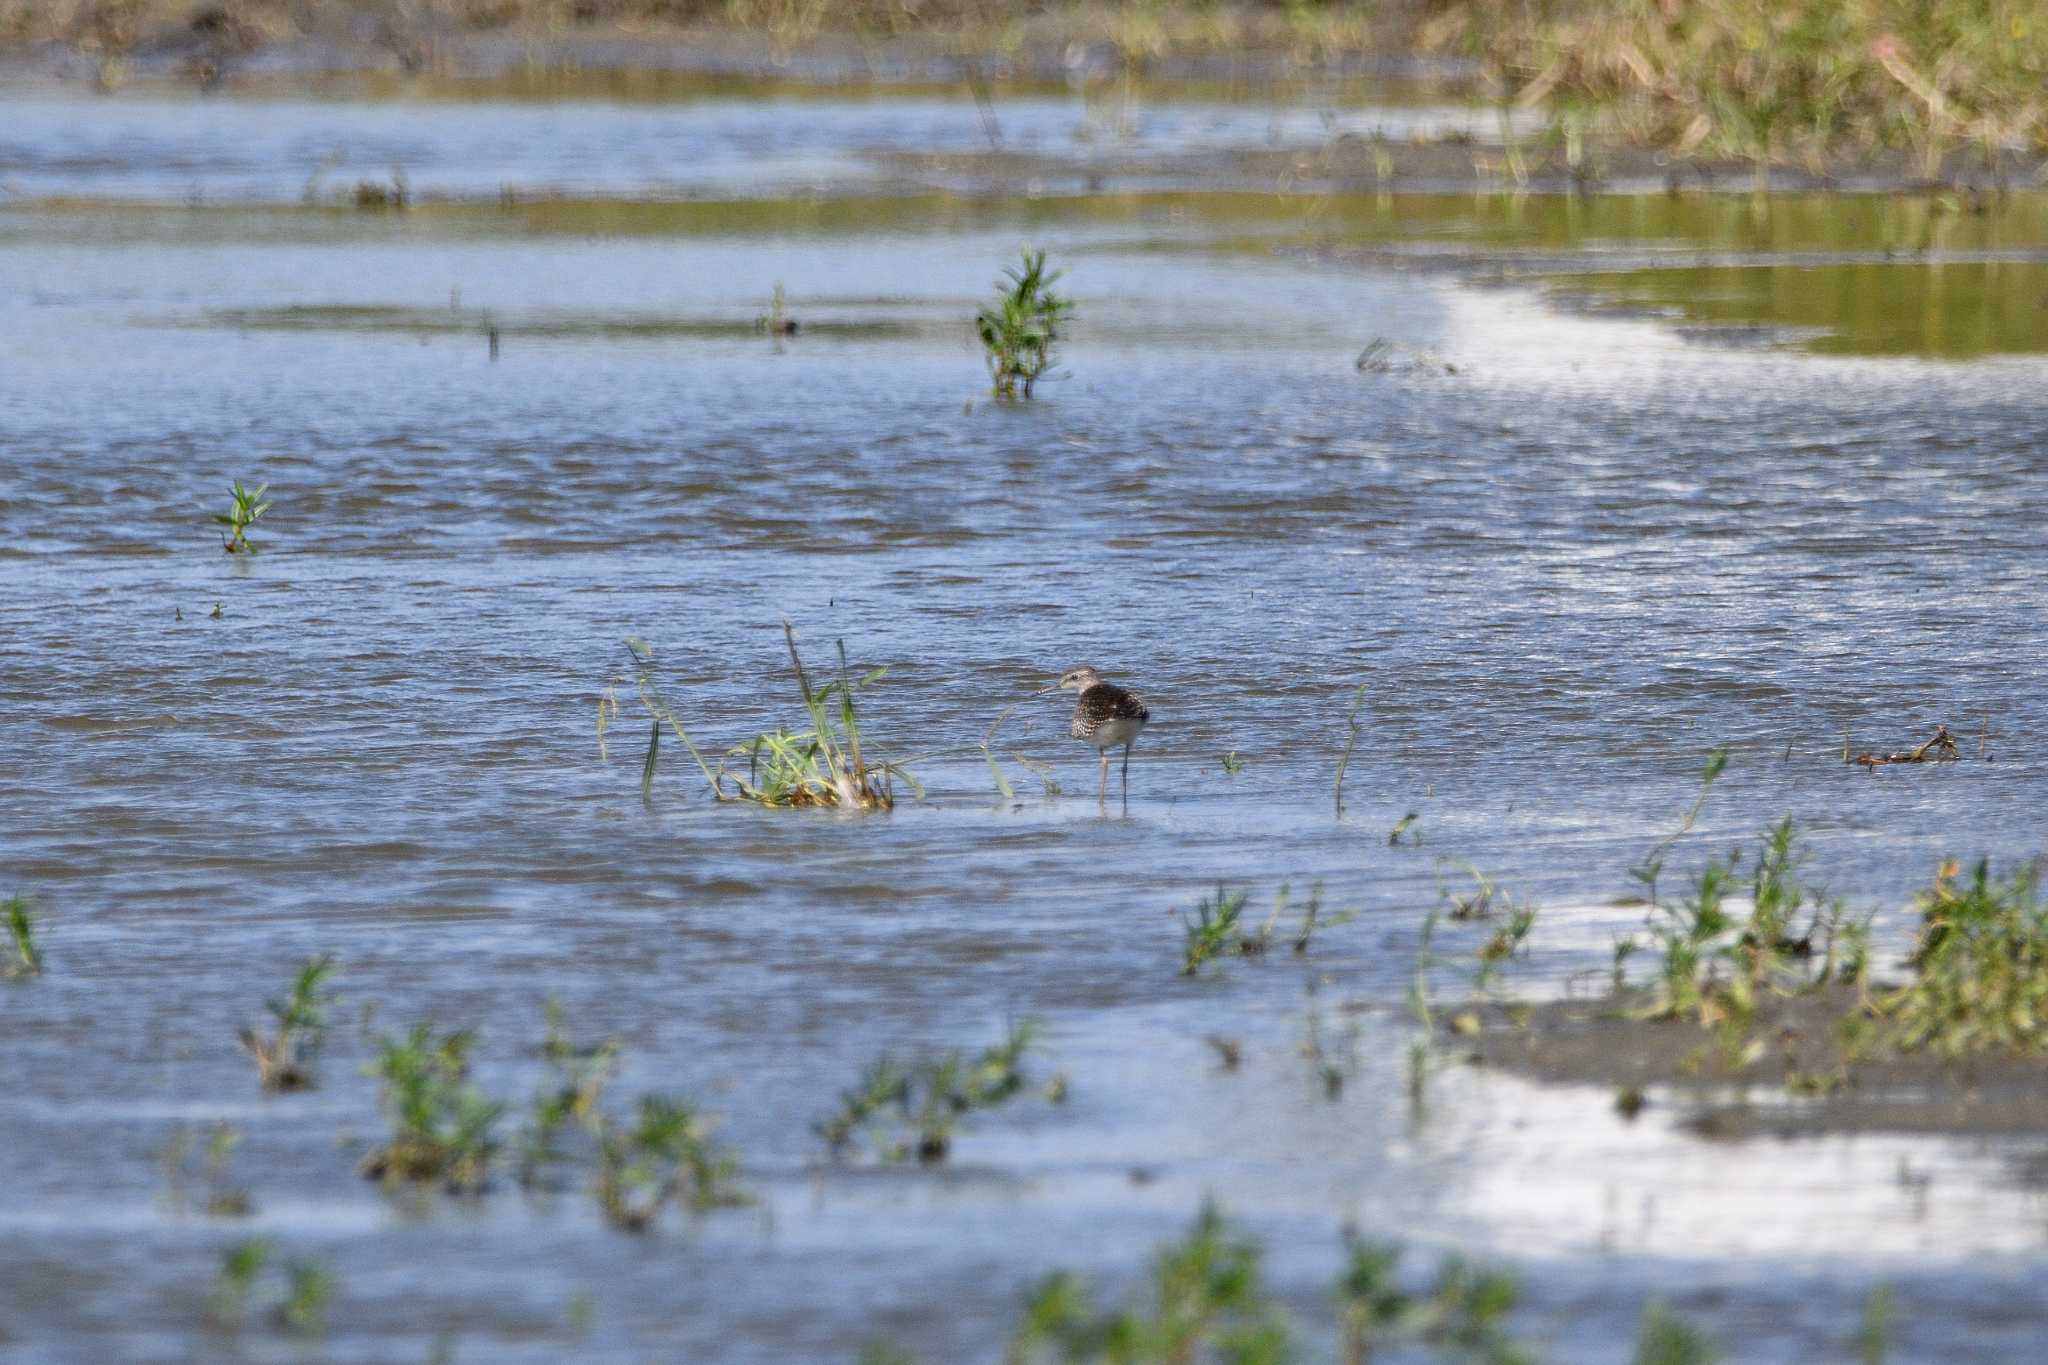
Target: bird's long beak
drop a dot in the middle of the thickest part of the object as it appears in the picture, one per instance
(1043, 690)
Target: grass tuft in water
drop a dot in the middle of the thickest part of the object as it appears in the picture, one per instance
(241, 1266)
(665, 1156)
(441, 1125)
(222, 1199)
(240, 516)
(915, 1111)
(1020, 328)
(284, 1059)
(309, 1289)
(1664, 1338)
(1206, 1301)
(574, 1093)
(822, 766)
(1462, 1314)
(1211, 929)
(21, 935)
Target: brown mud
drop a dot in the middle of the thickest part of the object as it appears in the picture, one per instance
(1803, 1083)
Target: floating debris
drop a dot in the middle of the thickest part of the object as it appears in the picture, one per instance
(1939, 748)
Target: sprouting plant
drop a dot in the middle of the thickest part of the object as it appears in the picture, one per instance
(1664, 1338)
(240, 517)
(283, 1060)
(1352, 727)
(1020, 328)
(309, 1288)
(665, 1156)
(240, 1267)
(1206, 1301)
(777, 322)
(1211, 928)
(1407, 828)
(1873, 1336)
(1419, 1051)
(823, 766)
(1462, 1313)
(222, 1199)
(1507, 940)
(441, 1125)
(882, 1086)
(915, 1111)
(1233, 764)
(574, 1092)
(21, 931)
(1653, 863)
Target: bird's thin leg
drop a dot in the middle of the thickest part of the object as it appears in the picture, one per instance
(1127, 770)
(1102, 791)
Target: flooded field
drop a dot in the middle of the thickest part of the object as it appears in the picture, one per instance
(1576, 490)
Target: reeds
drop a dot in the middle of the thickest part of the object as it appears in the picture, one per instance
(27, 958)
(1771, 82)
(825, 765)
(906, 1112)
(240, 516)
(1020, 328)
(284, 1059)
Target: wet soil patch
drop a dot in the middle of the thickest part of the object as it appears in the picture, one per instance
(1676, 1061)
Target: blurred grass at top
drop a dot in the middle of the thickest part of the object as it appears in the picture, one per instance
(1793, 82)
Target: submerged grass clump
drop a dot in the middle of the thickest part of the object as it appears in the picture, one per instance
(21, 934)
(222, 1200)
(822, 766)
(442, 1126)
(240, 516)
(665, 1156)
(284, 1059)
(915, 1111)
(1020, 328)
(1206, 1300)
(301, 1300)
(1215, 928)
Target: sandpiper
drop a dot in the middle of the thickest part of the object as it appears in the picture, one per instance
(1105, 715)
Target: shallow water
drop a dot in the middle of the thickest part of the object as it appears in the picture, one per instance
(1563, 573)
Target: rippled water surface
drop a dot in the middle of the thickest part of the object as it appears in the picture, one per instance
(1564, 555)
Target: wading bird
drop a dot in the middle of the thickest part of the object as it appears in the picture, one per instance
(1105, 715)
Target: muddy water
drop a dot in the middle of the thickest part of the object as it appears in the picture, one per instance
(1565, 555)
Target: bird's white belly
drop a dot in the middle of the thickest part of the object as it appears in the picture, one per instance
(1114, 734)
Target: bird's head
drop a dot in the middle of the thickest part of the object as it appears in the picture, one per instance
(1076, 679)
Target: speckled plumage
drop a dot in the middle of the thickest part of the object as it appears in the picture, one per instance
(1106, 716)
(1097, 706)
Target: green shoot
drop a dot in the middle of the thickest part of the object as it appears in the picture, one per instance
(1352, 728)
(907, 1112)
(1019, 329)
(283, 1060)
(441, 1126)
(240, 517)
(1211, 928)
(21, 931)
(665, 1157)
